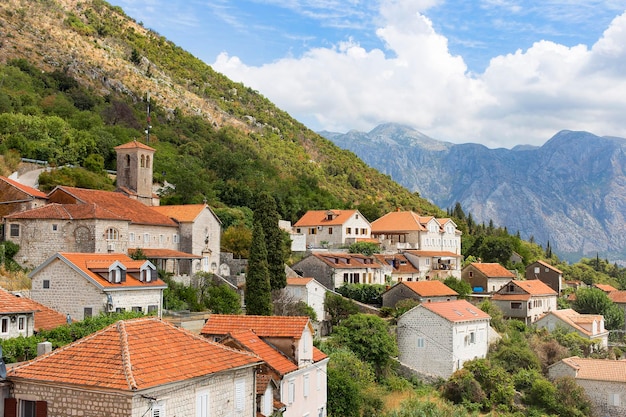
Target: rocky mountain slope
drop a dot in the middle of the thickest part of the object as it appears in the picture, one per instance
(571, 191)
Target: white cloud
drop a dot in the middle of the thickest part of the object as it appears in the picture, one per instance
(521, 98)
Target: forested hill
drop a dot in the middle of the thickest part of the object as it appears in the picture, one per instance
(74, 77)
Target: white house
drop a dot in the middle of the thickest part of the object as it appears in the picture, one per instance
(333, 228)
(86, 284)
(437, 338)
(285, 343)
(603, 380)
(525, 300)
(309, 291)
(142, 367)
(435, 264)
(589, 326)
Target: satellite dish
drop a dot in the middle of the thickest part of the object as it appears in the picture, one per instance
(3, 366)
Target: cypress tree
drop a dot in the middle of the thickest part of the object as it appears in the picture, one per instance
(266, 213)
(258, 293)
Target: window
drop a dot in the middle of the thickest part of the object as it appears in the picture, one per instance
(131, 237)
(31, 409)
(240, 395)
(161, 239)
(158, 409)
(537, 270)
(115, 275)
(46, 284)
(305, 385)
(472, 337)
(148, 161)
(319, 376)
(471, 274)
(112, 234)
(312, 231)
(143, 161)
(175, 238)
(363, 231)
(291, 391)
(420, 342)
(348, 230)
(120, 309)
(152, 308)
(15, 230)
(330, 230)
(202, 403)
(298, 230)
(614, 399)
(21, 324)
(87, 312)
(137, 309)
(4, 325)
(516, 306)
(55, 227)
(146, 238)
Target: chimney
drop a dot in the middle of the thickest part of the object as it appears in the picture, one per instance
(43, 348)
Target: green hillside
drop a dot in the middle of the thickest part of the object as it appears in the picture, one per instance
(73, 82)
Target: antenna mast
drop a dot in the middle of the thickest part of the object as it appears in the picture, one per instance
(148, 126)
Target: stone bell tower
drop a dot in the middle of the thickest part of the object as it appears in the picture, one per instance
(134, 171)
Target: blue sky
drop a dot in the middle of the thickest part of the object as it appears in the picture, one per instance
(497, 72)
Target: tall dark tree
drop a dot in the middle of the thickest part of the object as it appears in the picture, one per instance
(258, 293)
(266, 214)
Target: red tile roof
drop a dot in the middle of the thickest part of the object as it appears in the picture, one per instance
(456, 311)
(576, 320)
(605, 287)
(617, 296)
(45, 317)
(181, 213)
(534, 287)
(597, 369)
(134, 145)
(298, 281)
(274, 359)
(118, 203)
(320, 217)
(547, 265)
(33, 192)
(493, 270)
(263, 326)
(345, 260)
(55, 211)
(432, 288)
(398, 262)
(12, 304)
(133, 355)
(318, 355)
(398, 221)
(86, 262)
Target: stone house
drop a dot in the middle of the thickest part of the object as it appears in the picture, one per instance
(141, 367)
(589, 326)
(486, 277)
(402, 230)
(525, 300)
(135, 172)
(603, 380)
(17, 316)
(421, 291)
(333, 228)
(435, 264)
(334, 269)
(435, 339)
(86, 284)
(19, 197)
(398, 268)
(309, 291)
(285, 343)
(545, 273)
(199, 231)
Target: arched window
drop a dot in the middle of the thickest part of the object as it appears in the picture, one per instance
(143, 161)
(127, 160)
(148, 161)
(112, 234)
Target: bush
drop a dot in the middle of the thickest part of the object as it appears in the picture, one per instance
(363, 293)
(462, 388)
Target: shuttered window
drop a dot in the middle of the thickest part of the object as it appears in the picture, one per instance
(240, 395)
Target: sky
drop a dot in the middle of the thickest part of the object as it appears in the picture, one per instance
(497, 72)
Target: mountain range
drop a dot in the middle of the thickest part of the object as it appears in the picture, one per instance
(570, 192)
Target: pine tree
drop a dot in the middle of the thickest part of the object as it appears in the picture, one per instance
(258, 293)
(266, 213)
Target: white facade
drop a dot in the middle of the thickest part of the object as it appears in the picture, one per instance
(310, 292)
(333, 228)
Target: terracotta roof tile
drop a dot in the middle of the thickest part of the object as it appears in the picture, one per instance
(432, 253)
(181, 213)
(133, 355)
(534, 287)
(55, 211)
(397, 221)
(493, 270)
(85, 262)
(318, 355)
(432, 288)
(164, 254)
(345, 260)
(598, 369)
(45, 317)
(12, 304)
(456, 311)
(118, 203)
(547, 265)
(398, 262)
(134, 145)
(617, 296)
(298, 281)
(576, 320)
(263, 326)
(320, 217)
(605, 287)
(274, 359)
(33, 192)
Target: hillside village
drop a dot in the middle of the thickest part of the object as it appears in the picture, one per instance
(79, 244)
